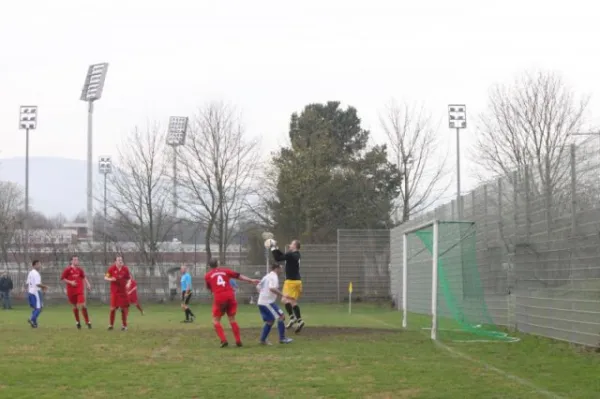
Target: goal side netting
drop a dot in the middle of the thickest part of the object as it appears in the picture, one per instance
(442, 288)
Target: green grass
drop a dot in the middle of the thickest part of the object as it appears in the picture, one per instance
(363, 355)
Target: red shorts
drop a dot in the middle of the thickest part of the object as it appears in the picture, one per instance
(76, 299)
(222, 306)
(132, 298)
(119, 301)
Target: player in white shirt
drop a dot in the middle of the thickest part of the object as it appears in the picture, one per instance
(267, 304)
(35, 289)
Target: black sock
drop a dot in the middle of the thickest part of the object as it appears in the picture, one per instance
(191, 314)
(290, 310)
(297, 312)
(187, 314)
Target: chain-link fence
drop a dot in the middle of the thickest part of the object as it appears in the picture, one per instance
(360, 257)
(538, 246)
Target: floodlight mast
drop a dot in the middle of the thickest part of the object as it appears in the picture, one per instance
(92, 91)
(27, 121)
(105, 168)
(457, 119)
(175, 138)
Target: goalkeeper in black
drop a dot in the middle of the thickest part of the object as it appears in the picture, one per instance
(292, 286)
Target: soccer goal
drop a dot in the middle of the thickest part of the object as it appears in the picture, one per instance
(441, 286)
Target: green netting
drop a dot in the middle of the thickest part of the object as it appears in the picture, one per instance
(461, 306)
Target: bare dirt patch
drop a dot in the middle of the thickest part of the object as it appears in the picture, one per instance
(324, 331)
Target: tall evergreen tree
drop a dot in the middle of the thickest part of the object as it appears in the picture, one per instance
(329, 179)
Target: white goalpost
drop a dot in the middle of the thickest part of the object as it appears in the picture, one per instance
(434, 273)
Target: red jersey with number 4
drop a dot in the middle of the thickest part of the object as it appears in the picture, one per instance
(122, 275)
(217, 280)
(76, 274)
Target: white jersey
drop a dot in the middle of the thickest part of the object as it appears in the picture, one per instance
(33, 280)
(266, 296)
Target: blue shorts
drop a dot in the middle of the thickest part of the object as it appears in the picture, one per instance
(35, 300)
(270, 312)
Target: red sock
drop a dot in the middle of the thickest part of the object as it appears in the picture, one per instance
(112, 317)
(124, 312)
(85, 315)
(220, 332)
(236, 331)
(137, 305)
(76, 313)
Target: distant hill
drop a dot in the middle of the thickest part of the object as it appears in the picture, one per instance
(56, 185)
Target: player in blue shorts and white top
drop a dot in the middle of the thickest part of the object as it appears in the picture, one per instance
(34, 290)
(267, 304)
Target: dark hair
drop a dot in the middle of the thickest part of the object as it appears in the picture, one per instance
(297, 242)
(120, 256)
(275, 266)
(73, 257)
(214, 262)
(35, 262)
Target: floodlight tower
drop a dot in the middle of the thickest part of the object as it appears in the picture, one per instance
(92, 91)
(105, 168)
(27, 121)
(175, 138)
(457, 118)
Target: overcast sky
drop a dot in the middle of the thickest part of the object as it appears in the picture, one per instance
(270, 58)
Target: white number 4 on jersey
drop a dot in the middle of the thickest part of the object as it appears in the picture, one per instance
(221, 282)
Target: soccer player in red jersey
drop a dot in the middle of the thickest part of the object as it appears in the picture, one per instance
(217, 281)
(119, 277)
(132, 295)
(75, 278)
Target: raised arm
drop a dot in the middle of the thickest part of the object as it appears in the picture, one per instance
(278, 255)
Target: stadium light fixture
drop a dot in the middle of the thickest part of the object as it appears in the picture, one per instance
(105, 168)
(92, 91)
(28, 119)
(457, 119)
(176, 135)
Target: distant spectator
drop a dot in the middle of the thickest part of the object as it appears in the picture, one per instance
(6, 286)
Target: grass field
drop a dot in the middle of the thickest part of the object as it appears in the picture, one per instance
(363, 355)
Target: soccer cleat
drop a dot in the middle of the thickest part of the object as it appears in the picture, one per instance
(224, 344)
(89, 325)
(299, 326)
(110, 328)
(265, 343)
(238, 344)
(32, 324)
(291, 322)
(124, 328)
(78, 326)
(286, 341)
(186, 321)
(192, 319)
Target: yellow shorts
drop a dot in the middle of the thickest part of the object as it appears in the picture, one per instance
(292, 288)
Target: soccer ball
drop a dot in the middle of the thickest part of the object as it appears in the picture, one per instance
(266, 235)
(270, 243)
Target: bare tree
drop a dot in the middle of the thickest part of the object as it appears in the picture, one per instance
(11, 205)
(139, 192)
(219, 165)
(414, 148)
(527, 124)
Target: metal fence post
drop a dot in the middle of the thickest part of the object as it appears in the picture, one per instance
(573, 192)
(527, 203)
(338, 267)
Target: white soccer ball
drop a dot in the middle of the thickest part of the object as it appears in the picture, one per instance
(270, 243)
(266, 235)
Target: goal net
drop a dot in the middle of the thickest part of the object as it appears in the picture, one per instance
(442, 290)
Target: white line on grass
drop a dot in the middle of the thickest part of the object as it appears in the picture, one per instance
(503, 373)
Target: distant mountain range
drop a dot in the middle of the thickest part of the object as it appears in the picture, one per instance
(56, 185)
